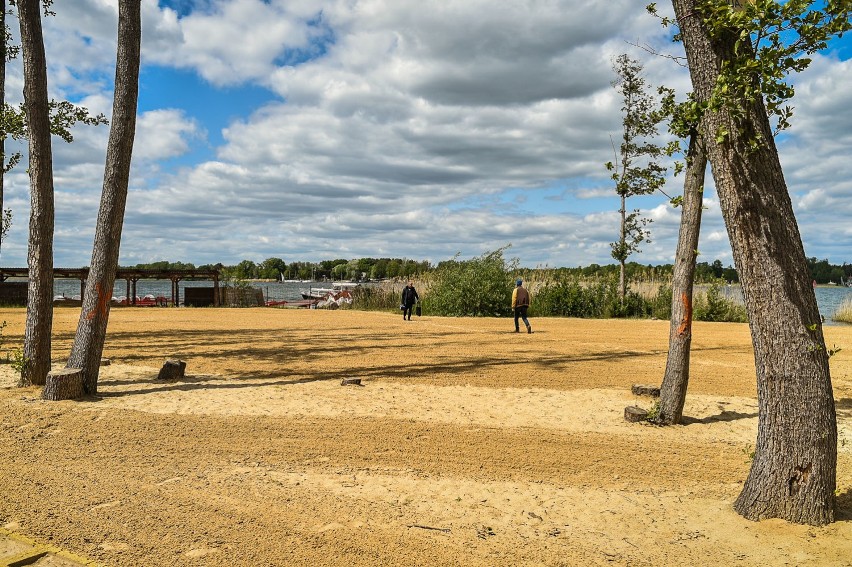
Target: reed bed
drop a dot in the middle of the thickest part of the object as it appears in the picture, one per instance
(844, 311)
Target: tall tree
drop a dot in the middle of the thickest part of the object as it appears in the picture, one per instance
(13, 122)
(40, 252)
(676, 377)
(3, 59)
(94, 316)
(736, 83)
(636, 170)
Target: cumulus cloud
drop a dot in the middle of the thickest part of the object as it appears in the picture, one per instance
(393, 128)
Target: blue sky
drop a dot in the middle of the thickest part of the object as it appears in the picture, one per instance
(317, 129)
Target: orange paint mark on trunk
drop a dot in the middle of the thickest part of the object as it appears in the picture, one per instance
(103, 304)
(686, 322)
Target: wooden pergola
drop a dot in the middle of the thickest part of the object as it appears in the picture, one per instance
(131, 276)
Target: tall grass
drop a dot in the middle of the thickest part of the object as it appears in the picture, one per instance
(844, 311)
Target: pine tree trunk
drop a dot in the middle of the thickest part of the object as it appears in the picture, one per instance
(91, 329)
(622, 278)
(676, 377)
(40, 253)
(3, 53)
(793, 474)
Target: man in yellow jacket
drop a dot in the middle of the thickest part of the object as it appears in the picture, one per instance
(520, 304)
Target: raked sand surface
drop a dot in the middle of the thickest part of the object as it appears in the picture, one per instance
(466, 444)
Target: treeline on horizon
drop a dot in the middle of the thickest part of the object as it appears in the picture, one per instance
(362, 269)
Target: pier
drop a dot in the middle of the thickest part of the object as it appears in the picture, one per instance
(131, 276)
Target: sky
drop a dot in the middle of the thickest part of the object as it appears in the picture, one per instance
(312, 130)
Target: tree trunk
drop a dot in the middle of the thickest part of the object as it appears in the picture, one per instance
(676, 377)
(622, 278)
(91, 329)
(3, 54)
(40, 253)
(793, 473)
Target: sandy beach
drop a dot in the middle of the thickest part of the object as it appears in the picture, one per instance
(466, 444)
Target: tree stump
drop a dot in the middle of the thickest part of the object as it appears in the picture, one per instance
(635, 414)
(173, 369)
(351, 382)
(644, 390)
(64, 384)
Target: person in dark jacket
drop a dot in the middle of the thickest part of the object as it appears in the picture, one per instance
(520, 304)
(409, 298)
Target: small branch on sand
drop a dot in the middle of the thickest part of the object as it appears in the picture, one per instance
(422, 527)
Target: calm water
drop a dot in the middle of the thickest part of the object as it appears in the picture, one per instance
(271, 290)
(828, 299)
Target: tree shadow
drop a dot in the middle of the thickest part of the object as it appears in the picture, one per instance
(722, 417)
(275, 347)
(843, 506)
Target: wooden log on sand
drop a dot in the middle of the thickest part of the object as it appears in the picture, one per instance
(172, 369)
(64, 384)
(635, 414)
(644, 390)
(351, 382)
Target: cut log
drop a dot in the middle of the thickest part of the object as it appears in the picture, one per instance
(64, 384)
(644, 390)
(635, 414)
(105, 362)
(351, 382)
(172, 369)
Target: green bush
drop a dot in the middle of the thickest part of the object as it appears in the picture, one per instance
(480, 287)
(661, 304)
(570, 298)
(713, 307)
(598, 299)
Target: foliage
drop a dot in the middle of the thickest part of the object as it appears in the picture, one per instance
(570, 298)
(712, 306)
(636, 170)
(20, 363)
(661, 304)
(773, 40)
(480, 287)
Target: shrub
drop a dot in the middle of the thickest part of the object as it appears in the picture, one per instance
(383, 297)
(480, 287)
(661, 304)
(711, 306)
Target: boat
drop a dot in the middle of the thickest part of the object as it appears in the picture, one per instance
(315, 292)
(324, 292)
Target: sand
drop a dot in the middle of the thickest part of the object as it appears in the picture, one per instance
(466, 444)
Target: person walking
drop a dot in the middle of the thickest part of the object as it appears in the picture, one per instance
(409, 298)
(520, 304)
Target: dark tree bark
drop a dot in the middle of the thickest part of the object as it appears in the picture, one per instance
(793, 473)
(40, 253)
(91, 329)
(676, 377)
